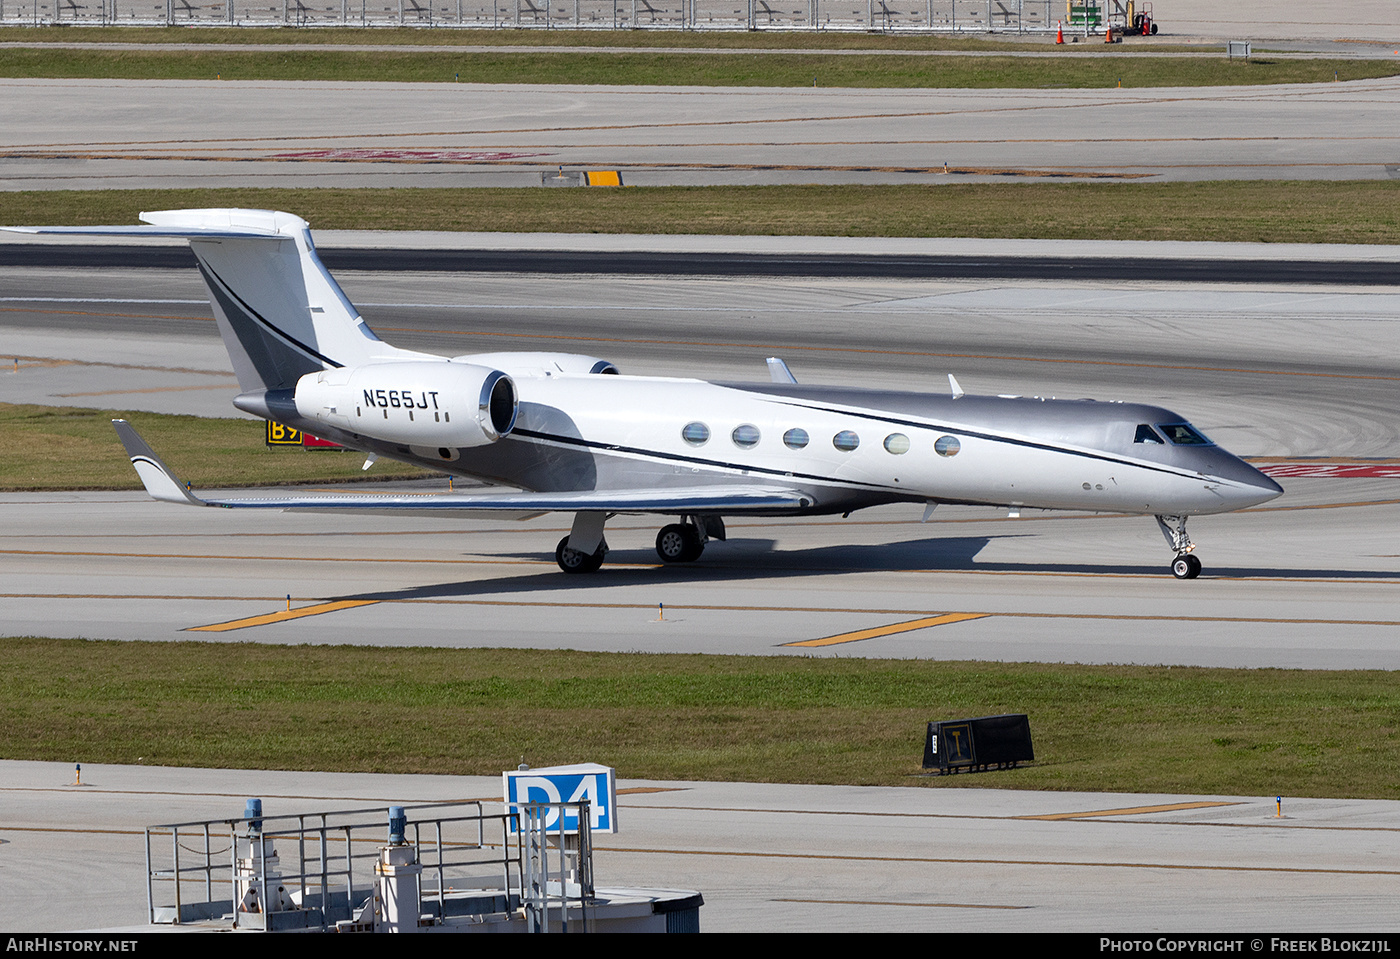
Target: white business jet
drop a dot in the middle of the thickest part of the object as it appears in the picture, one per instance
(569, 433)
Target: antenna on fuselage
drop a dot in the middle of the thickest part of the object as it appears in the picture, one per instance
(953, 385)
(779, 372)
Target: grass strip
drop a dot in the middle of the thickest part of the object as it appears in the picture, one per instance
(861, 70)
(1265, 211)
(693, 717)
(54, 447)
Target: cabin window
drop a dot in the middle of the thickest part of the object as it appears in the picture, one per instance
(947, 446)
(897, 443)
(745, 436)
(796, 439)
(1183, 434)
(696, 434)
(845, 441)
(1146, 434)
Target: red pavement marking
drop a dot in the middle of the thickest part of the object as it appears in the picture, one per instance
(1337, 470)
(418, 156)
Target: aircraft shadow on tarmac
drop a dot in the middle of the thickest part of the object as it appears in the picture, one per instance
(753, 560)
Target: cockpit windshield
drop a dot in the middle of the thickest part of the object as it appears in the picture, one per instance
(1183, 434)
(1146, 434)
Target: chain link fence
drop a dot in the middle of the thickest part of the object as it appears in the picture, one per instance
(935, 16)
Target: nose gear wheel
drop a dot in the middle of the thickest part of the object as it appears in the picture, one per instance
(1186, 567)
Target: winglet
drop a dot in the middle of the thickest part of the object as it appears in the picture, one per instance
(779, 371)
(159, 481)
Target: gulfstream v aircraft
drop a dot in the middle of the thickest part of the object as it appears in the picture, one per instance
(570, 433)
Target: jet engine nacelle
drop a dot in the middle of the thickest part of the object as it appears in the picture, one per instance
(437, 405)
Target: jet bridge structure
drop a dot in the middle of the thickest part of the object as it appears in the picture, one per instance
(454, 867)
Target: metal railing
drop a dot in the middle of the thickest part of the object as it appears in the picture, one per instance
(313, 870)
(904, 16)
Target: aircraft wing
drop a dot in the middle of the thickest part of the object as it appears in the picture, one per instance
(163, 485)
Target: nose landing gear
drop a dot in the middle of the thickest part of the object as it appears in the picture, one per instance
(1186, 565)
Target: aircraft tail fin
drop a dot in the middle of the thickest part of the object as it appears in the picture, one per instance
(158, 479)
(280, 312)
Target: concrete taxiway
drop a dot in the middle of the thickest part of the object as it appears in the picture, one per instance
(1299, 377)
(105, 134)
(774, 858)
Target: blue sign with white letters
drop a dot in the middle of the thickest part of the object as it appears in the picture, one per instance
(566, 784)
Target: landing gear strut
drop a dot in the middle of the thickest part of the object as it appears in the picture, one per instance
(1186, 565)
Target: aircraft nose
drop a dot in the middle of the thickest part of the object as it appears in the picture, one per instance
(1243, 484)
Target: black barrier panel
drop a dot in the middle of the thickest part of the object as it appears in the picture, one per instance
(1182, 270)
(974, 745)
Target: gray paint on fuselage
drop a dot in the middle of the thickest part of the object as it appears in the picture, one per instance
(1086, 423)
(1105, 427)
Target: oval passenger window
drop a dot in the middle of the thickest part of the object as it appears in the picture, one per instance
(696, 434)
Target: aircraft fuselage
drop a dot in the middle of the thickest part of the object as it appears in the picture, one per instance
(847, 447)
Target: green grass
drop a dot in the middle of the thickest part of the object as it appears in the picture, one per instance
(864, 70)
(69, 448)
(759, 719)
(1269, 211)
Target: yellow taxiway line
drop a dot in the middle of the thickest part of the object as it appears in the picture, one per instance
(1130, 810)
(890, 630)
(282, 615)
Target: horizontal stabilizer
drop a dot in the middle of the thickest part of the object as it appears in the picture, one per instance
(179, 232)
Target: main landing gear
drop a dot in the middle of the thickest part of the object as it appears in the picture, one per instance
(583, 550)
(574, 561)
(1186, 565)
(679, 543)
(683, 542)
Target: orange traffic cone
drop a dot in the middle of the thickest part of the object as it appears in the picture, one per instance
(1108, 37)
(1059, 32)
